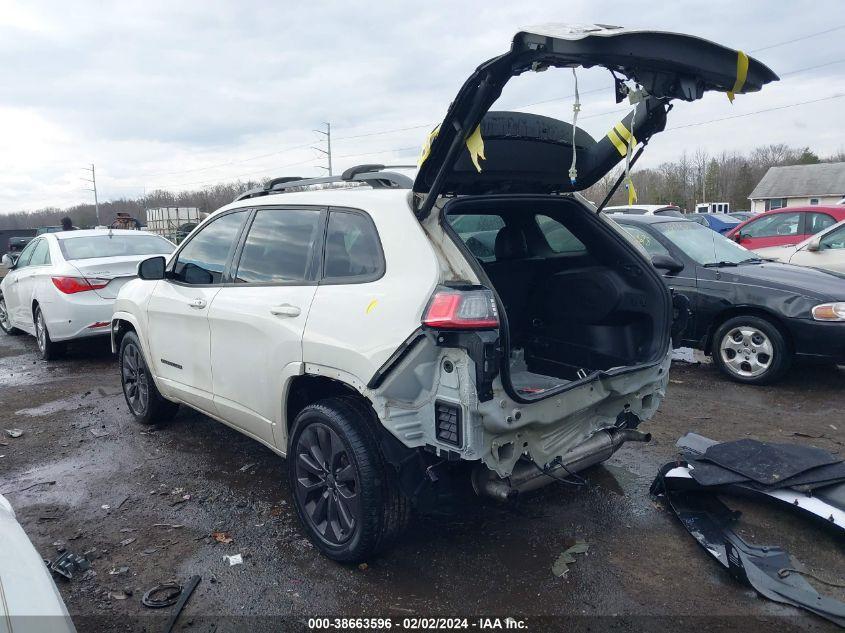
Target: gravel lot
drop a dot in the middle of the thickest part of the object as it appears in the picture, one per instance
(121, 489)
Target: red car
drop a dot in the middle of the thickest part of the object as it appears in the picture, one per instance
(785, 227)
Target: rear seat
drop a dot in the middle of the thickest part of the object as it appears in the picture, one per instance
(512, 273)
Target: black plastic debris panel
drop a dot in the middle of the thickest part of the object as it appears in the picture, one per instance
(768, 463)
(770, 570)
(761, 465)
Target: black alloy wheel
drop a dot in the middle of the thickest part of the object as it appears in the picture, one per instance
(136, 386)
(327, 484)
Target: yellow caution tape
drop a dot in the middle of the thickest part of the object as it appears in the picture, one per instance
(620, 136)
(632, 193)
(426, 150)
(372, 305)
(475, 145)
(741, 74)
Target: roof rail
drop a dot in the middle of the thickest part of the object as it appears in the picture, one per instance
(374, 175)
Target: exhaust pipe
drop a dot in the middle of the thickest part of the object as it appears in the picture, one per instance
(527, 475)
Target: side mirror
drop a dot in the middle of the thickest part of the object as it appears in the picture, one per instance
(667, 263)
(814, 245)
(737, 237)
(8, 261)
(152, 269)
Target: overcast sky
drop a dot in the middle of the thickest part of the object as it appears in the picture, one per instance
(178, 94)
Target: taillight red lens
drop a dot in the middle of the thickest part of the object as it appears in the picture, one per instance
(462, 310)
(72, 285)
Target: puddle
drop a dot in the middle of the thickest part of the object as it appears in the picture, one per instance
(65, 404)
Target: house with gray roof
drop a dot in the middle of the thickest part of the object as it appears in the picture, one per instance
(798, 186)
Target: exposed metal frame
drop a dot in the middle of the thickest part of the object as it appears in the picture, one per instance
(373, 175)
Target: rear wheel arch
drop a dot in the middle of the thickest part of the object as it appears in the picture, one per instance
(737, 311)
(308, 389)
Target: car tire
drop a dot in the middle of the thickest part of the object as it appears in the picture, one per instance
(5, 322)
(145, 402)
(751, 350)
(47, 348)
(348, 502)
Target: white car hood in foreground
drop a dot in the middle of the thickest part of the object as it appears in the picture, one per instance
(29, 599)
(779, 253)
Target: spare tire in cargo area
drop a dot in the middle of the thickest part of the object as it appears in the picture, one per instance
(577, 296)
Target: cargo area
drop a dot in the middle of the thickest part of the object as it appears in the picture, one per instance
(577, 297)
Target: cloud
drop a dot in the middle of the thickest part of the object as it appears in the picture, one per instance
(166, 94)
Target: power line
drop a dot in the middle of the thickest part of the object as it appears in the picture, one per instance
(414, 147)
(430, 125)
(739, 116)
(798, 39)
(231, 162)
(255, 173)
(801, 70)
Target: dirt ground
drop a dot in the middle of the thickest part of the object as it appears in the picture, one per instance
(142, 503)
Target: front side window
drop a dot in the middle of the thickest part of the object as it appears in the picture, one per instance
(41, 254)
(703, 245)
(204, 258)
(114, 245)
(352, 247)
(559, 238)
(26, 254)
(818, 222)
(833, 240)
(279, 246)
(778, 224)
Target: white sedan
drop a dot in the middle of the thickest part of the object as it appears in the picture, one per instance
(825, 250)
(63, 285)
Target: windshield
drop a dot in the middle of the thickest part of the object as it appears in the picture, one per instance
(703, 245)
(95, 246)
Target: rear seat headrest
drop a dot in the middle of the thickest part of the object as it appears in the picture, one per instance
(510, 243)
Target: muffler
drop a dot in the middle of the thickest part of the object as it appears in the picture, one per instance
(527, 475)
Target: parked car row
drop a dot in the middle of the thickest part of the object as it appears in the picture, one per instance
(752, 315)
(63, 285)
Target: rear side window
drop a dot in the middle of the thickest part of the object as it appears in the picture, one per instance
(115, 245)
(353, 252)
(279, 246)
(815, 222)
(559, 238)
(478, 232)
(41, 254)
(203, 259)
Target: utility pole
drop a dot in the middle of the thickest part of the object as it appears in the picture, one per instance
(328, 151)
(93, 181)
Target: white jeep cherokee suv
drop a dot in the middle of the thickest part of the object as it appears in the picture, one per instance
(481, 320)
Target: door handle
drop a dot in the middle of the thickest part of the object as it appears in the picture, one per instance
(285, 310)
(199, 304)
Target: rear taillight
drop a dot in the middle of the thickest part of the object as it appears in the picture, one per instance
(72, 285)
(451, 309)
